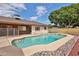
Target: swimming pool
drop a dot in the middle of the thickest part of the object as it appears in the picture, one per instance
(36, 40)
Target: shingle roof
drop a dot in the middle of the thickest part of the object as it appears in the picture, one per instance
(8, 20)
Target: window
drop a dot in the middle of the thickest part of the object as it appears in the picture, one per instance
(22, 28)
(37, 28)
(45, 28)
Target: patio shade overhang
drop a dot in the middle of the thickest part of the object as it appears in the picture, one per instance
(8, 20)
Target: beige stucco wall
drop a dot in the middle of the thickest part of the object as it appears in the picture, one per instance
(41, 31)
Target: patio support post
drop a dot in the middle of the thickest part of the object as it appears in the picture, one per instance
(7, 31)
(18, 30)
(14, 32)
(8, 34)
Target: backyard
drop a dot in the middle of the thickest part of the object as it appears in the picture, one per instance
(48, 32)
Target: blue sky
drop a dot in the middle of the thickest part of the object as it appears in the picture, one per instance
(32, 11)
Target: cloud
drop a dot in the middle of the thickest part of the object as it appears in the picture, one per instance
(7, 13)
(34, 18)
(41, 10)
(9, 9)
(18, 5)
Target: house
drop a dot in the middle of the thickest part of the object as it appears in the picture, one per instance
(15, 26)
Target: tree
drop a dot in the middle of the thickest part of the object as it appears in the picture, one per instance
(66, 16)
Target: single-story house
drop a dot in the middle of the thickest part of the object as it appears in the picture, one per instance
(15, 26)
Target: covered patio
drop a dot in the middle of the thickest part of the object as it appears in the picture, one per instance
(14, 29)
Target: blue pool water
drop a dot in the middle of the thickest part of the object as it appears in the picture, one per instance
(36, 40)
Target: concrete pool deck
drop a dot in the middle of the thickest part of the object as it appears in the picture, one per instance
(33, 49)
(11, 51)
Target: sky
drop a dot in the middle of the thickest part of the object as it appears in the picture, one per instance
(30, 11)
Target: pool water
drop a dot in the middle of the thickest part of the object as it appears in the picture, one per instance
(36, 40)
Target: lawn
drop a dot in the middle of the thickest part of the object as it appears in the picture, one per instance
(74, 31)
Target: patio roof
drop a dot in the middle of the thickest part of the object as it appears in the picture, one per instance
(8, 20)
